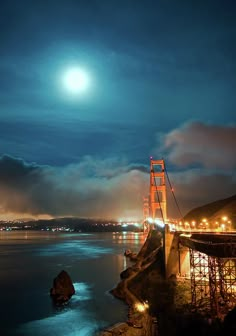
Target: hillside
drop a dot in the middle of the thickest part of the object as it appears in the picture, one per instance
(214, 212)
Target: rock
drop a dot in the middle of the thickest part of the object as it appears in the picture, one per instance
(118, 292)
(127, 253)
(126, 273)
(133, 256)
(62, 289)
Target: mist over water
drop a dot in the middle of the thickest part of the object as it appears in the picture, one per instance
(30, 260)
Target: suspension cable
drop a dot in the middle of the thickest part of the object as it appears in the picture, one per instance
(172, 191)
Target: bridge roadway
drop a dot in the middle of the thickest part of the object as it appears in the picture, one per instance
(221, 245)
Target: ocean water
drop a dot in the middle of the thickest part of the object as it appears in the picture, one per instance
(30, 260)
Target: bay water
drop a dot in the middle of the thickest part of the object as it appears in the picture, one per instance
(30, 260)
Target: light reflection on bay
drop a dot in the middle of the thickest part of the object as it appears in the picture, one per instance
(29, 261)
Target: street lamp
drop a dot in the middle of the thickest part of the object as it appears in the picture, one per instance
(224, 219)
(223, 227)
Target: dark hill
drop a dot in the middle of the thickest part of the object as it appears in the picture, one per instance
(215, 211)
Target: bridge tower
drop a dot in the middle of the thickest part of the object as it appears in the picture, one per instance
(145, 208)
(145, 213)
(157, 189)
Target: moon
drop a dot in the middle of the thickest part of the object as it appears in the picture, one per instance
(76, 80)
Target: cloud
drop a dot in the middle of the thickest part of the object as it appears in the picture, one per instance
(197, 187)
(105, 188)
(209, 146)
(202, 164)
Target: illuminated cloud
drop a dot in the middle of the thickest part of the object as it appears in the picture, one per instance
(88, 189)
(209, 146)
(197, 187)
(204, 157)
(199, 158)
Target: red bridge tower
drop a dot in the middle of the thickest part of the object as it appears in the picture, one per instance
(158, 190)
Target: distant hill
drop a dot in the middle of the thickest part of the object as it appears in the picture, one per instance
(215, 211)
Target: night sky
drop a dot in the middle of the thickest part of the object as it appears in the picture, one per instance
(162, 82)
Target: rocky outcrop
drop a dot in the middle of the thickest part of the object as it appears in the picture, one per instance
(126, 273)
(140, 278)
(127, 253)
(62, 289)
(119, 291)
(131, 255)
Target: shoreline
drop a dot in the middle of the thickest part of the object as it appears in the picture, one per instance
(167, 300)
(138, 322)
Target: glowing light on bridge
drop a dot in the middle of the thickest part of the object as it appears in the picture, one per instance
(156, 221)
(223, 227)
(141, 307)
(193, 223)
(159, 223)
(172, 227)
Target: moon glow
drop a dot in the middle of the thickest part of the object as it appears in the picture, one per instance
(76, 80)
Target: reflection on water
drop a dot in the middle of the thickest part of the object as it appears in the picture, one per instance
(135, 237)
(70, 320)
(75, 248)
(29, 261)
(19, 235)
(31, 236)
(82, 292)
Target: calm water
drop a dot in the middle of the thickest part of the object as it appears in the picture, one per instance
(29, 261)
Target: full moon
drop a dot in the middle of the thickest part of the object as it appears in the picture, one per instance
(76, 80)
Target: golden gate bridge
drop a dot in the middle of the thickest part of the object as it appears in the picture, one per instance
(207, 258)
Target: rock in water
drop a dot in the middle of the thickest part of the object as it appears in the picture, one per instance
(62, 289)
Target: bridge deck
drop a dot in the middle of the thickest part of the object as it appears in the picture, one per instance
(212, 244)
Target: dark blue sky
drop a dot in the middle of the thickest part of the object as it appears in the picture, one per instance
(163, 83)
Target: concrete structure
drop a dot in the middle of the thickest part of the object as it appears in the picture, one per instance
(176, 256)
